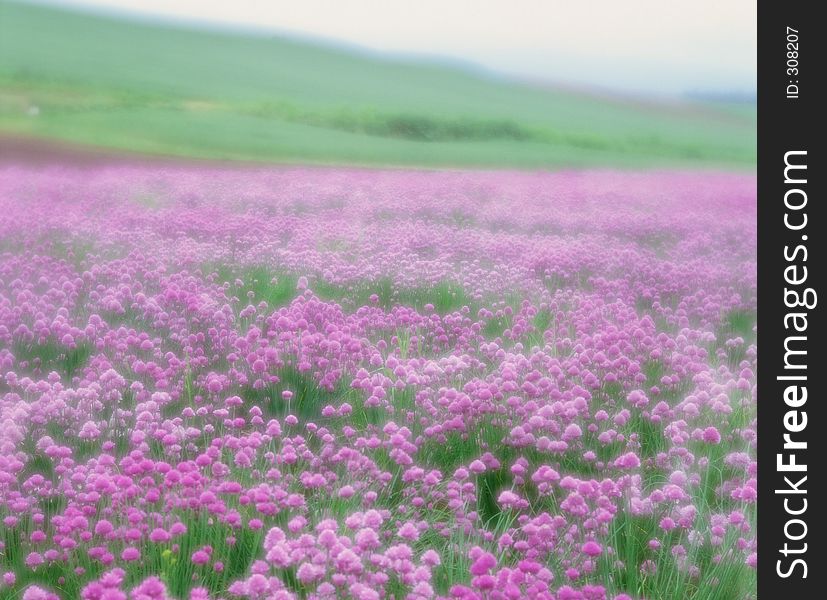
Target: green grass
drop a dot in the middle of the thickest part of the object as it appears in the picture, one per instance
(738, 323)
(52, 356)
(278, 288)
(306, 403)
(159, 89)
(258, 284)
(629, 536)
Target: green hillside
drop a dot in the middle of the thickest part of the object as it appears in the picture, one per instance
(201, 93)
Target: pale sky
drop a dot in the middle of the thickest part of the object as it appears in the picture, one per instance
(649, 46)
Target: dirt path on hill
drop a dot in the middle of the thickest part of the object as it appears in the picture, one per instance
(41, 152)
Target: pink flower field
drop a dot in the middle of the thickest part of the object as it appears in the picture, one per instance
(350, 383)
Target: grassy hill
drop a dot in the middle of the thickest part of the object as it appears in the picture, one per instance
(201, 93)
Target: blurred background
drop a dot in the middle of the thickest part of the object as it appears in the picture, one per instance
(522, 83)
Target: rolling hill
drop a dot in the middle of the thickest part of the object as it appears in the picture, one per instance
(182, 91)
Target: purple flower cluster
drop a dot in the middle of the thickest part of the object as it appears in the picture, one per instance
(332, 383)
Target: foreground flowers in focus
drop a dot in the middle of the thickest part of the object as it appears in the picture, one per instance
(377, 384)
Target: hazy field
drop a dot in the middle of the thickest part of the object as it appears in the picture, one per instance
(355, 383)
(301, 382)
(163, 90)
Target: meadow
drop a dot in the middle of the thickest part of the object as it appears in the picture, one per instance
(361, 383)
(149, 87)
